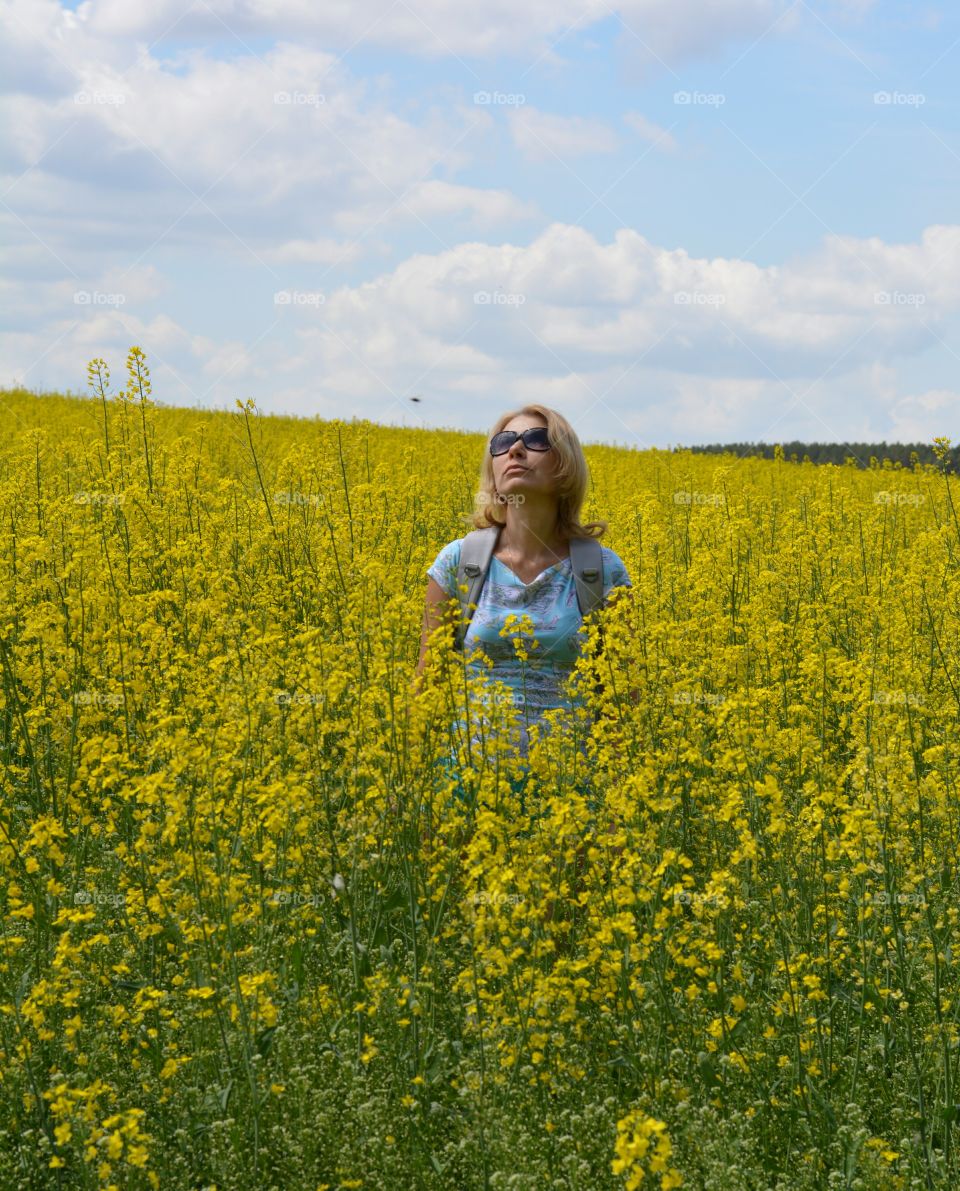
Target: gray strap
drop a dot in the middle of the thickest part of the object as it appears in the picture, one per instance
(586, 559)
(476, 550)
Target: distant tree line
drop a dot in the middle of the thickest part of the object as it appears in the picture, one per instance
(853, 454)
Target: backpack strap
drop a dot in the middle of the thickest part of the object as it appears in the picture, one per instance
(586, 560)
(476, 551)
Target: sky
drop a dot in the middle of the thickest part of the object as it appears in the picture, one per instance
(676, 222)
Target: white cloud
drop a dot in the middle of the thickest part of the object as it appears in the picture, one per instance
(487, 207)
(192, 156)
(582, 314)
(321, 251)
(543, 136)
(63, 345)
(438, 29)
(198, 152)
(921, 417)
(660, 35)
(568, 305)
(58, 301)
(434, 199)
(648, 131)
(572, 316)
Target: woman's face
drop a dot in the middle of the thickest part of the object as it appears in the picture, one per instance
(521, 470)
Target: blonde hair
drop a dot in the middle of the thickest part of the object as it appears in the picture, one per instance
(571, 478)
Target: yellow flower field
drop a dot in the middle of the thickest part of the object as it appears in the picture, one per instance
(251, 940)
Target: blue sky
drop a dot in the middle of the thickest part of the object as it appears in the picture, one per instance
(775, 258)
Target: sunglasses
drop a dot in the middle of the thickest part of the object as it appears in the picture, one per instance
(534, 439)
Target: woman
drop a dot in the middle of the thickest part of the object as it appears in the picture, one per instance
(533, 483)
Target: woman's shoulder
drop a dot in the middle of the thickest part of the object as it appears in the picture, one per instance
(452, 549)
(615, 572)
(444, 567)
(609, 555)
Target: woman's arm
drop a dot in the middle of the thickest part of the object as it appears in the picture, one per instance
(433, 614)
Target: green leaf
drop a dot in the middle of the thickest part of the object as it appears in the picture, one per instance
(296, 961)
(707, 1065)
(25, 981)
(265, 1040)
(397, 900)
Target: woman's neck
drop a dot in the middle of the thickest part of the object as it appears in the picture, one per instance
(521, 539)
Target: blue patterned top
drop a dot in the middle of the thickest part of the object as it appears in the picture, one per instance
(550, 602)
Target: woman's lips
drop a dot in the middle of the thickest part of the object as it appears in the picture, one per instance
(514, 467)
